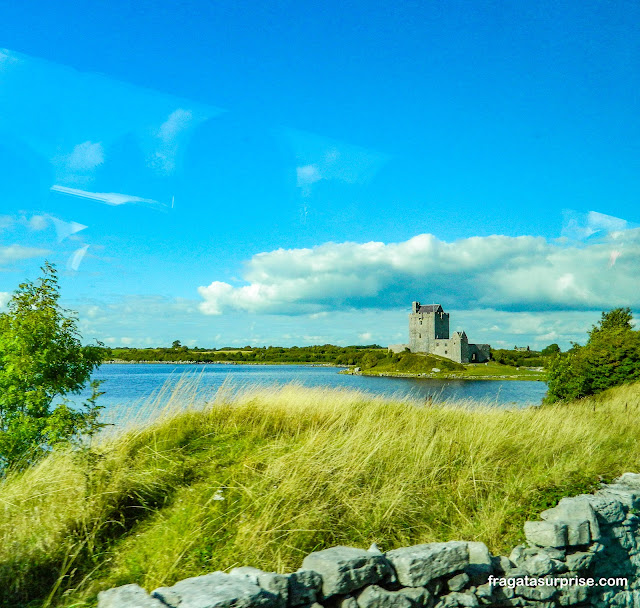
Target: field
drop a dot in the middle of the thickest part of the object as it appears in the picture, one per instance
(264, 478)
(418, 364)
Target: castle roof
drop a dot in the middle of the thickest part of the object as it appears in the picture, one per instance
(430, 308)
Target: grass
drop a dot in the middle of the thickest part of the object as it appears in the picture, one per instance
(420, 364)
(269, 475)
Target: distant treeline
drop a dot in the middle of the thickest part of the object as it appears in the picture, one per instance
(529, 358)
(362, 355)
(327, 353)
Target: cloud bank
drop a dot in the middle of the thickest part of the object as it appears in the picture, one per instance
(497, 272)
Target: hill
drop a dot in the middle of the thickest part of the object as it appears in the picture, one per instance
(273, 474)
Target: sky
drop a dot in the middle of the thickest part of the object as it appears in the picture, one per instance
(287, 173)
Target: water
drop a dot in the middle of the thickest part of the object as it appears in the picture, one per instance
(128, 384)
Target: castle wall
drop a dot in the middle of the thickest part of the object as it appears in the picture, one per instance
(425, 329)
(482, 353)
(583, 552)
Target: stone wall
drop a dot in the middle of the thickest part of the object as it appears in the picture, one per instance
(593, 537)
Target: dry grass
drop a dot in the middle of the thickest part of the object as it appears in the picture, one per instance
(264, 477)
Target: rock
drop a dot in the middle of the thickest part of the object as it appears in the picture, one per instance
(277, 584)
(546, 533)
(216, 590)
(629, 497)
(480, 562)
(345, 569)
(127, 596)
(577, 562)
(539, 593)
(609, 509)
(377, 597)
(416, 566)
(455, 599)
(574, 511)
(304, 587)
(569, 596)
(458, 582)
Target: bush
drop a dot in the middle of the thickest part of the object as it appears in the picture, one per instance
(41, 358)
(611, 357)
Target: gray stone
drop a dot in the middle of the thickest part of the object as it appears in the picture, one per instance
(277, 584)
(455, 599)
(304, 587)
(480, 561)
(609, 509)
(501, 564)
(484, 592)
(570, 596)
(347, 602)
(409, 597)
(538, 593)
(630, 498)
(573, 511)
(577, 562)
(546, 533)
(345, 569)
(458, 582)
(127, 596)
(539, 564)
(216, 590)
(416, 566)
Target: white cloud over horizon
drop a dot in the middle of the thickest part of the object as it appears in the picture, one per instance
(14, 253)
(501, 272)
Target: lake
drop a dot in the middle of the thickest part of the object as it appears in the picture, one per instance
(126, 386)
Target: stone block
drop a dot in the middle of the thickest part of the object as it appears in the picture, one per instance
(216, 590)
(304, 587)
(580, 561)
(127, 596)
(455, 600)
(277, 584)
(374, 596)
(546, 533)
(345, 569)
(458, 582)
(572, 511)
(538, 593)
(416, 566)
(570, 596)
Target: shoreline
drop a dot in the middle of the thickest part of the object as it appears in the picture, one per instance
(346, 370)
(427, 376)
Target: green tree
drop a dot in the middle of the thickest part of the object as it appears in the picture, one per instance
(42, 358)
(176, 344)
(610, 357)
(552, 349)
(618, 318)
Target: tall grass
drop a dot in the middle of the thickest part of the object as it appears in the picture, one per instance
(265, 476)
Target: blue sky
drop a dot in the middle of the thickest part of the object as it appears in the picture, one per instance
(294, 173)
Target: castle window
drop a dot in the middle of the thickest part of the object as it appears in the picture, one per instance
(445, 352)
(419, 335)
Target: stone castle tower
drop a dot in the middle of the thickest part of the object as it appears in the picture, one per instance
(429, 333)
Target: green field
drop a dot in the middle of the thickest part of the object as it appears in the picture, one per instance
(266, 477)
(416, 364)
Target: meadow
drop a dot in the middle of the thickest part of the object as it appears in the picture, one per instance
(266, 476)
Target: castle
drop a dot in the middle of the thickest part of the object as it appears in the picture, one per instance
(429, 333)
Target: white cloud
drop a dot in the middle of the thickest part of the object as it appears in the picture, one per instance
(307, 175)
(5, 296)
(86, 156)
(109, 198)
(76, 258)
(6, 221)
(168, 139)
(14, 253)
(501, 272)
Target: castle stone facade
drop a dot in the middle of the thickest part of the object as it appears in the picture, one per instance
(429, 333)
